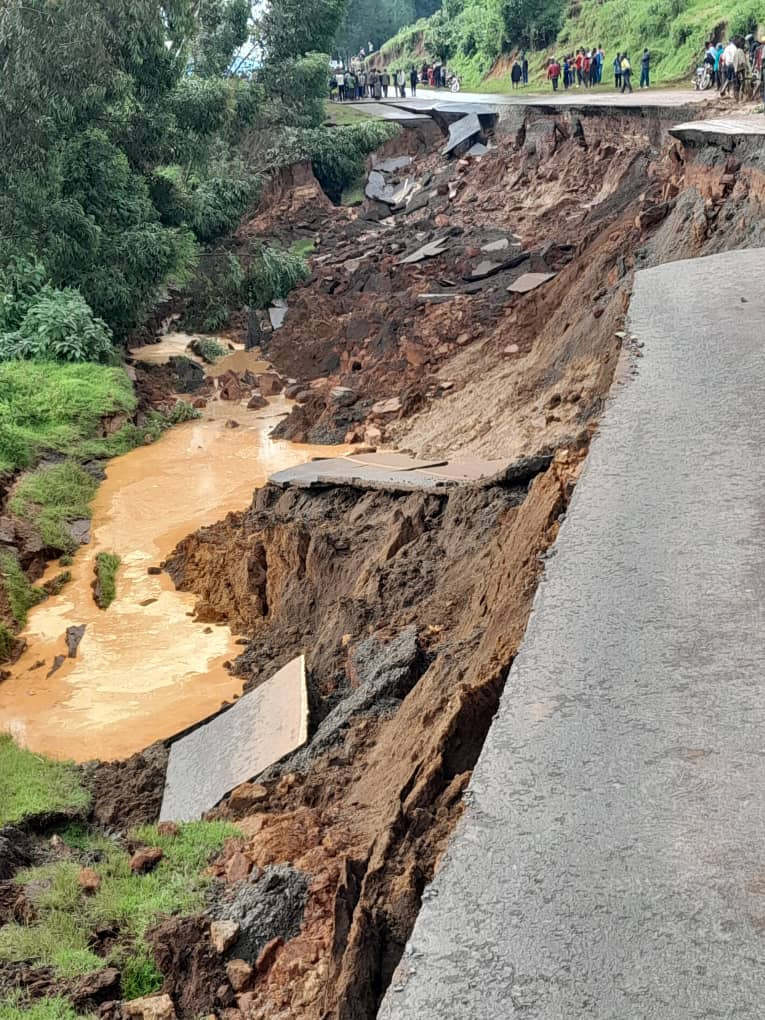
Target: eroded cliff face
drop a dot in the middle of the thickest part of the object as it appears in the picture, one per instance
(435, 587)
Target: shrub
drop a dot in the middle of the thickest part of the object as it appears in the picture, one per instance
(58, 326)
(207, 349)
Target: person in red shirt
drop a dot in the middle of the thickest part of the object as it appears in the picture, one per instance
(578, 62)
(553, 73)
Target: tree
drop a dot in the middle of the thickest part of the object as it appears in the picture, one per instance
(95, 100)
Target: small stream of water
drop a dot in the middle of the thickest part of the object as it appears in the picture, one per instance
(144, 669)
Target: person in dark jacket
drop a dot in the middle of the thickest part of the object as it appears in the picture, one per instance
(516, 74)
(645, 70)
(525, 69)
(413, 79)
(618, 71)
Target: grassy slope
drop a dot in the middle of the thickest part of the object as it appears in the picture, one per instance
(31, 784)
(674, 31)
(60, 934)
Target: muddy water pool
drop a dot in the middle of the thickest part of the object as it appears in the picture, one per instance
(144, 669)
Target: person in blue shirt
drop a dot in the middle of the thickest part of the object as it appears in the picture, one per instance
(645, 69)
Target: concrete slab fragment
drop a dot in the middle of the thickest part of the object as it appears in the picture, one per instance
(529, 282)
(395, 461)
(237, 744)
(468, 469)
(500, 245)
(463, 133)
(720, 130)
(390, 166)
(277, 314)
(427, 251)
(343, 471)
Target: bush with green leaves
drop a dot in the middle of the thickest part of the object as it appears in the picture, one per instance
(58, 326)
(337, 154)
(105, 586)
(52, 497)
(21, 595)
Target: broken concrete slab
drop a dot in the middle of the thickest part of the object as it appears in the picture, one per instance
(419, 200)
(237, 744)
(478, 150)
(390, 166)
(277, 314)
(427, 251)
(488, 268)
(437, 298)
(462, 134)
(469, 469)
(529, 282)
(343, 471)
(396, 461)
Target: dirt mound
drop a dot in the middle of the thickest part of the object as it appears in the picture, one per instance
(128, 793)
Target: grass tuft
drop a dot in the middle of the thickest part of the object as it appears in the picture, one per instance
(21, 594)
(31, 784)
(54, 1008)
(52, 497)
(105, 587)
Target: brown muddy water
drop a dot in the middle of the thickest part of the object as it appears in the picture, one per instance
(144, 669)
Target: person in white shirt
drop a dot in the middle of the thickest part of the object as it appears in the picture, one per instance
(401, 82)
(729, 60)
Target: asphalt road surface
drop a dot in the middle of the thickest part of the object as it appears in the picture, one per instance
(610, 864)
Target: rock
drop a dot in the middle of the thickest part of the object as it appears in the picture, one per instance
(80, 530)
(390, 406)
(232, 423)
(292, 390)
(418, 201)
(493, 246)
(169, 829)
(146, 859)
(73, 638)
(199, 403)
(89, 881)
(427, 251)
(239, 973)
(224, 994)
(223, 934)
(303, 396)
(230, 386)
(269, 384)
(56, 665)
(97, 989)
(150, 1007)
(246, 795)
(511, 349)
(267, 954)
(154, 571)
(189, 375)
(277, 315)
(256, 402)
(342, 396)
(238, 867)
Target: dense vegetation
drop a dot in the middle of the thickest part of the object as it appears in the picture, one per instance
(372, 21)
(472, 35)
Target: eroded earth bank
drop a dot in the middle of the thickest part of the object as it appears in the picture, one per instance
(410, 605)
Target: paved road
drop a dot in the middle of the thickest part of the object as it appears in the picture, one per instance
(574, 97)
(611, 862)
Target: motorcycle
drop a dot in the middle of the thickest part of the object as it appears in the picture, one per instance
(704, 78)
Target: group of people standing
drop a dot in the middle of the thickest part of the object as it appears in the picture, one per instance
(354, 84)
(584, 69)
(730, 63)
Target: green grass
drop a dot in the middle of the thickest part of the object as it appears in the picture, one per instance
(31, 784)
(305, 246)
(107, 565)
(208, 349)
(57, 408)
(6, 643)
(42, 1009)
(21, 594)
(343, 114)
(65, 917)
(52, 497)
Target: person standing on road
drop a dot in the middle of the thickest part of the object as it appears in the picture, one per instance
(645, 69)
(340, 79)
(516, 74)
(740, 66)
(413, 80)
(728, 62)
(524, 69)
(385, 82)
(553, 73)
(401, 82)
(626, 73)
(618, 71)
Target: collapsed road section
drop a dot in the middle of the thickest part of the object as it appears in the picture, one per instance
(609, 861)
